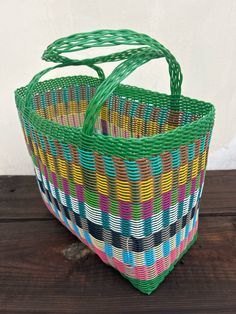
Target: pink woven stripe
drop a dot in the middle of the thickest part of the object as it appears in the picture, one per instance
(145, 272)
(80, 192)
(54, 180)
(125, 210)
(147, 207)
(138, 272)
(125, 207)
(104, 203)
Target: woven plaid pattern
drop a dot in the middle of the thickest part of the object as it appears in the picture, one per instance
(121, 167)
(139, 216)
(119, 117)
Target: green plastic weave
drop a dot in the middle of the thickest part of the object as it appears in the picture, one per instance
(120, 166)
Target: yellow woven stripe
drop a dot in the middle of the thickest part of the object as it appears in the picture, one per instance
(51, 162)
(50, 112)
(147, 190)
(171, 127)
(77, 174)
(203, 163)
(60, 109)
(138, 125)
(104, 113)
(152, 128)
(125, 123)
(114, 118)
(123, 190)
(102, 184)
(35, 149)
(195, 167)
(62, 168)
(40, 112)
(183, 173)
(72, 107)
(166, 182)
(41, 155)
(165, 127)
(83, 105)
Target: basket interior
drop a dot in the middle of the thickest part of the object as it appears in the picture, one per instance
(129, 112)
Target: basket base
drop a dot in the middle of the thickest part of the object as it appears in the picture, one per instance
(144, 286)
(148, 286)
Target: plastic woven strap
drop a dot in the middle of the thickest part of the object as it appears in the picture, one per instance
(135, 58)
(107, 38)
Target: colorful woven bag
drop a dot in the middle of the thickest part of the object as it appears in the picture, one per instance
(121, 167)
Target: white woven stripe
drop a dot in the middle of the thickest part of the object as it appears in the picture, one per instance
(139, 257)
(136, 226)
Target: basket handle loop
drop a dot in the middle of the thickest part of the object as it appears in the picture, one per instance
(36, 78)
(105, 89)
(133, 59)
(84, 41)
(112, 57)
(50, 55)
(108, 38)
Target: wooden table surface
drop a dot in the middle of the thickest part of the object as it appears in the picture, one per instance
(44, 269)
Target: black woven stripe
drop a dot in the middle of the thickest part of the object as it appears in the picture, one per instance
(116, 239)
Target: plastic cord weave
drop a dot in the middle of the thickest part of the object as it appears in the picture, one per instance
(121, 167)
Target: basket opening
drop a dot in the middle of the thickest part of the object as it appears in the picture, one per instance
(120, 116)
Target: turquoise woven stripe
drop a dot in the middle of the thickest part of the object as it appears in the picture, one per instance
(142, 226)
(87, 158)
(128, 257)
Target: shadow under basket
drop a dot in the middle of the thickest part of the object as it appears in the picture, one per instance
(121, 167)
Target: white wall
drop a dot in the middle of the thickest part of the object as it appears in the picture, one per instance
(200, 33)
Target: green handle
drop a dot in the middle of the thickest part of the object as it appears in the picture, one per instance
(107, 38)
(36, 78)
(102, 38)
(133, 59)
(68, 44)
(82, 41)
(49, 55)
(105, 89)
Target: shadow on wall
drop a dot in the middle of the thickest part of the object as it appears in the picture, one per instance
(224, 158)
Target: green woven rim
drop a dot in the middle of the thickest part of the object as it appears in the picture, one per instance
(148, 286)
(120, 147)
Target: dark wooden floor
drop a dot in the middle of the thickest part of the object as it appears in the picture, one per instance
(43, 268)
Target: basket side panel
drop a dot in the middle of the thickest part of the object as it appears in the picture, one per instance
(139, 216)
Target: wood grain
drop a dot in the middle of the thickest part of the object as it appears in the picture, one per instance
(20, 199)
(42, 270)
(35, 274)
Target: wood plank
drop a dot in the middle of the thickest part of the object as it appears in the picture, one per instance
(37, 277)
(219, 193)
(20, 199)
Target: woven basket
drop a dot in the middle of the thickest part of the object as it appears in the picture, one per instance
(121, 167)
